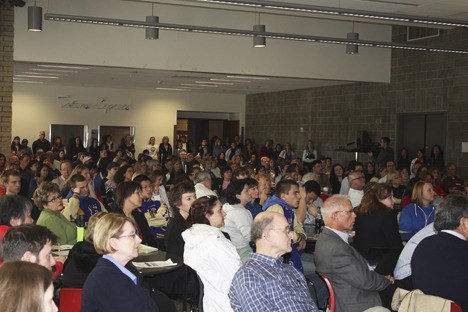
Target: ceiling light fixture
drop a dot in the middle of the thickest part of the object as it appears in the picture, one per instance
(152, 33)
(240, 32)
(258, 40)
(352, 48)
(428, 21)
(62, 66)
(34, 76)
(34, 18)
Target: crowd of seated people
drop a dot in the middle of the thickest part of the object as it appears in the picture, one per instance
(189, 199)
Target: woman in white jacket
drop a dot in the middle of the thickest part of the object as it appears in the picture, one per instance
(210, 253)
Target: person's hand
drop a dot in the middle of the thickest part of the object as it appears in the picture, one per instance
(302, 192)
(312, 209)
(390, 278)
(76, 190)
(301, 244)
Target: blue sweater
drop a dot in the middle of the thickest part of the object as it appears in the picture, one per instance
(413, 218)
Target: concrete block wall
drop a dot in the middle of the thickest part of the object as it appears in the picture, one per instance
(331, 116)
(6, 74)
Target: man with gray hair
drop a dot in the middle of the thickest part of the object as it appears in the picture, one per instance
(264, 282)
(356, 286)
(440, 262)
(356, 187)
(203, 185)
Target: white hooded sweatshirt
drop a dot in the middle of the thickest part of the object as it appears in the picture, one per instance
(215, 260)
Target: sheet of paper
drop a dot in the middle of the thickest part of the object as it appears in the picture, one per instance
(154, 264)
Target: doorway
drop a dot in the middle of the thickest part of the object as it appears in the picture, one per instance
(421, 130)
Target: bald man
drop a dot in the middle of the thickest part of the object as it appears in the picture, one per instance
(41, 143)
(265, 282)
(356, 286)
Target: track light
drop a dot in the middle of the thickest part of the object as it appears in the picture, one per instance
(34, 18)
(259, 41)
(352, 48)
(152, 33)
(248, 33)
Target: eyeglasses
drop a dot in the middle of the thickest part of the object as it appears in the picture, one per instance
(54, 199)
(360, 178)
(134, 235)
(286, 231)
(349, 212)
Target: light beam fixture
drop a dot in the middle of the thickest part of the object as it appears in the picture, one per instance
(259, 41)
(299, 7)
(152, 33)
(241, 32)
(34, 18)
(352, 48)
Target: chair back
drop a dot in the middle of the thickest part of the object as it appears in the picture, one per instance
(70, 300)
(455, 307)
(331, 292)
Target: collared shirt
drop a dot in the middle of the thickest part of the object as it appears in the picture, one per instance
(454, 233)
(342, 235)
(403, 266)
(355, 196)
(267, 284)
(123, 269)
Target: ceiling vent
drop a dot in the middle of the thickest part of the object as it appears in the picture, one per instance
(419, 33)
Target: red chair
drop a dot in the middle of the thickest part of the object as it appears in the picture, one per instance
(331, 292)
(455, 307)
(70, 300)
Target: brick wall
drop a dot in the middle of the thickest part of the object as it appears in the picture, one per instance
(331, 116)
(6, 74)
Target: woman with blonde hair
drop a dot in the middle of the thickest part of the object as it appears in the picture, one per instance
(420, 212)
(82, 258)
(26, 287)
(116, 239)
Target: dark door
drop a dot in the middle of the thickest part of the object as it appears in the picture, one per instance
(421, 130)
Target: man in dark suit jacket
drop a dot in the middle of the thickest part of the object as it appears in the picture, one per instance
(356, 286)
(440, 262)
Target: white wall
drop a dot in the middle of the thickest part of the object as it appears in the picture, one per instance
(152, 113)
(74, 43)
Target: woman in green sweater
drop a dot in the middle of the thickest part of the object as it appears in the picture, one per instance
(47, 197)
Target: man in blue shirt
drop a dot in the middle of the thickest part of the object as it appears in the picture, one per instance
(264, 282)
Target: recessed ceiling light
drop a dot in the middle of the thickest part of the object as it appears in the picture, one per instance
(41, 77)
(53, 70)
(249, 77)
(28, 81)
(172, 89)
(52, 74)
(228, 80)
(199, 85)
(63, 66)
(215, 83)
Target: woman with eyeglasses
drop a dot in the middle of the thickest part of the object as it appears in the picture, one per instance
(112, 285)
(210, 253)
(47, 196)
(376, 222)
